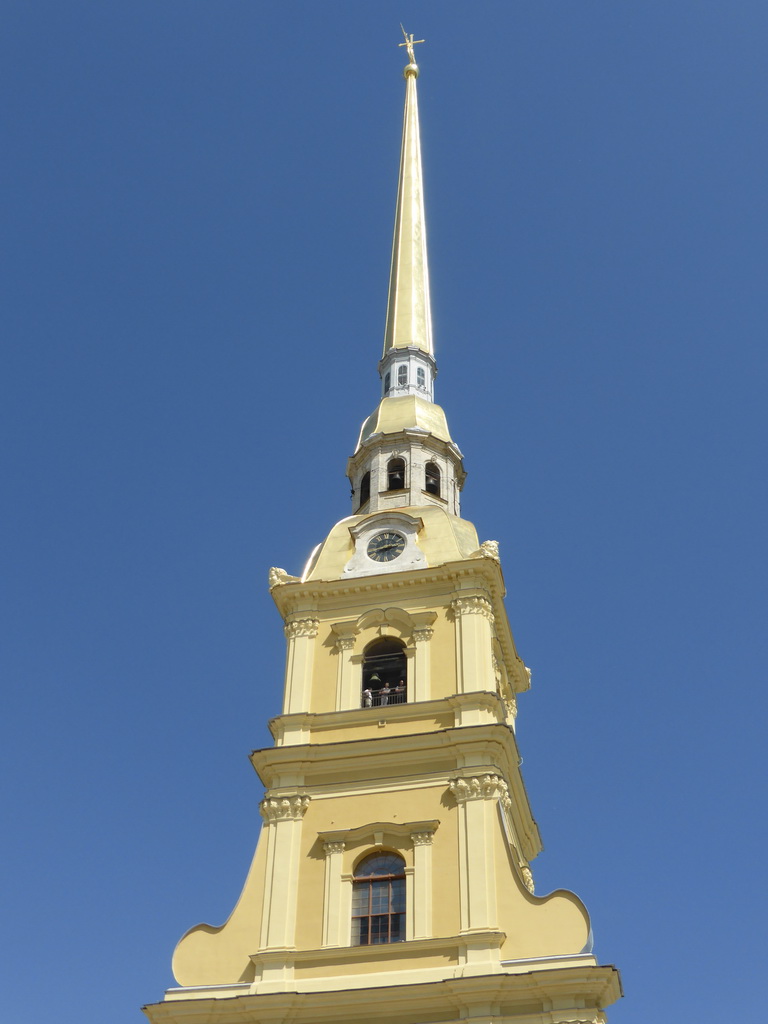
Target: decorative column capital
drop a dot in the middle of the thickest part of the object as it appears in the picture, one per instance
(474, 605)
(422, 838)
(286, 808)
(480, 787)
(301, 627)
(345, 643)
(333, 846)
(423, 634)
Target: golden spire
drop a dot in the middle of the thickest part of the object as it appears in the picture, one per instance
(409, 316)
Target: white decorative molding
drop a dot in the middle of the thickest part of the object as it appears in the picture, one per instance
(422, 838)
(331, 847)
(527, 878)
(480, 787)
(420, 636)
(345, 643)
(284, 808)
(473, 605)
(301, 627)
(489, 549)
(380, 832)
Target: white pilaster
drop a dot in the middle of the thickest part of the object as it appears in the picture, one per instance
(283, 816)
(301, 633)
(347, 690)
(474, 636)
(477, 797)
(410, 896)
(422, 678)
(333, 933)
(422, 896)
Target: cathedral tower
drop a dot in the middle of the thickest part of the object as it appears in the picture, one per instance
(392, 882)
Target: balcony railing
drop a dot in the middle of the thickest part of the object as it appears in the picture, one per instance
(379, 699)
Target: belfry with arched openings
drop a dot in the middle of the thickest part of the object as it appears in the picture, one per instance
(393, 881)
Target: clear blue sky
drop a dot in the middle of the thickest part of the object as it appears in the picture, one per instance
(197, 214)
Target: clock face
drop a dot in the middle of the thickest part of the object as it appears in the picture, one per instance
(386, 546)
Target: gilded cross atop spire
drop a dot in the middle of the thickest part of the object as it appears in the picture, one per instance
(409, 44)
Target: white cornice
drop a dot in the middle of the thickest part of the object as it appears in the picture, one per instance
(489, 748)
(514, 990)
(411, 711)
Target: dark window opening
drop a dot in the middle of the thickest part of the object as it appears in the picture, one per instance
(402, 375)
(387, 381)
(396, 474)
(432, 479)
(365, 489)
(378, 900)
(384, 673)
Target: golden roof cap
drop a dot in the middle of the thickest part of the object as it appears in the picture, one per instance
(406, 413)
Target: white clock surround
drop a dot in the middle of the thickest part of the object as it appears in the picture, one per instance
(412, 557)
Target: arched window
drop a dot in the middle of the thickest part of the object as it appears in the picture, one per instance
(421, 378)
(396, 474)
(365, 489)
(384, 673)
(387, 381)
(402, 375)
(432, 479)
(378, 900)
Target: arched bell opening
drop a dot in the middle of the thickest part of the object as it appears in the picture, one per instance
(384, 673)
(432, 479)
(365, 489)
(396, 474)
